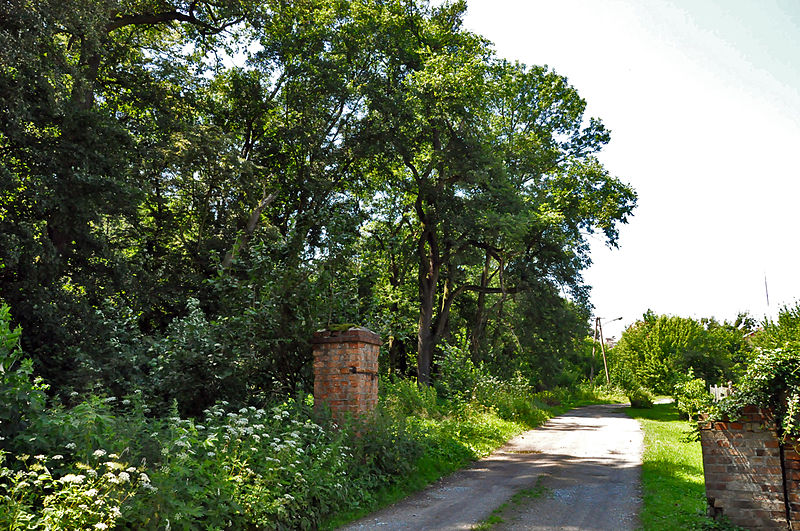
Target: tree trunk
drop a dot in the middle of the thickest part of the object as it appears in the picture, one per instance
(479, 325)
(428, 279)
(249, 229)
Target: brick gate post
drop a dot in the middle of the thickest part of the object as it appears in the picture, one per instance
(346, 371)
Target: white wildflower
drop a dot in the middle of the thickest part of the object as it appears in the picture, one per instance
(100, 525)
(99, 453)
(124, 477)
(73, 478)
(91, 493)
(57, 457)
(70, 446)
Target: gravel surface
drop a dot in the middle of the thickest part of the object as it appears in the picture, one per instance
(588, 461)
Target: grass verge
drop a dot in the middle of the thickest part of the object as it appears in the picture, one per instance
(673, 485)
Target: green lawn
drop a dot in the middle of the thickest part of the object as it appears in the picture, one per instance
(673, 486)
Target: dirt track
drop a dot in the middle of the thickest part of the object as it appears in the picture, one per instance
(588, 460)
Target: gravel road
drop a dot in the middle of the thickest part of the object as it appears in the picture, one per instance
(588, 461)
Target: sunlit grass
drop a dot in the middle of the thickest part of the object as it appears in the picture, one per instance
(673, 486)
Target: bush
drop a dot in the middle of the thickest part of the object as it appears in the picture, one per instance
(22, 396)
(691, 395)
(640, 398)
(656, 350)
(772, 380)
(458, 375)
(404, 398)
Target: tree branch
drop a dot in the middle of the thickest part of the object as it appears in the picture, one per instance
(122, 21)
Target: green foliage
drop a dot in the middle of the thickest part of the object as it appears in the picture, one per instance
(640, 398)
(772, 380)
(44, 494)
(655, 351)
(22, 396)
(405, 397)
(771, 377)
(691, 395)
(781, 332)
(458, 374)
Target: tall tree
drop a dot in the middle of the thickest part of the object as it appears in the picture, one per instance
(495, 161)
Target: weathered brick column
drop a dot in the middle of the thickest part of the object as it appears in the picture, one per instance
(346, 371)
(791, 469)
(743, 473)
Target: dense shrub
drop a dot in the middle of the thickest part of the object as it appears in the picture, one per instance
(458, 375)
(772, 380)
(404, 397)
(655, 351)
(640, 398)
(22, 395)
(691, 395)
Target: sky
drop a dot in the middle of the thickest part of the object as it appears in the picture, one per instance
(702, 98)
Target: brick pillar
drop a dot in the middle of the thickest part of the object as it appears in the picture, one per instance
(346, 371)
(791, 467)
(742, 467)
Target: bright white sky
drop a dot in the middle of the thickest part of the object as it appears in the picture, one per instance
(702, 98)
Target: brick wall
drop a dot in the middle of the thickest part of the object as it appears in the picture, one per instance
(346, 371)
(744, 474)
(791, 466)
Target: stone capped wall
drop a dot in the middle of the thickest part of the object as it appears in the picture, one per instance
(744, 472)
(346, 371)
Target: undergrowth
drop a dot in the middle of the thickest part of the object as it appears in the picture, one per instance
(110, 461)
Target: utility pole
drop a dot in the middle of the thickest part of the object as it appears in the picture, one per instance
(594, 344)
(598, 327)
(603, 348)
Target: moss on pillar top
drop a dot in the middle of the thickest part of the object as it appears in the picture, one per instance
(340, 327)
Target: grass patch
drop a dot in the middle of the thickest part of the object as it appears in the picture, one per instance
(673, 485)
(520, 497)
